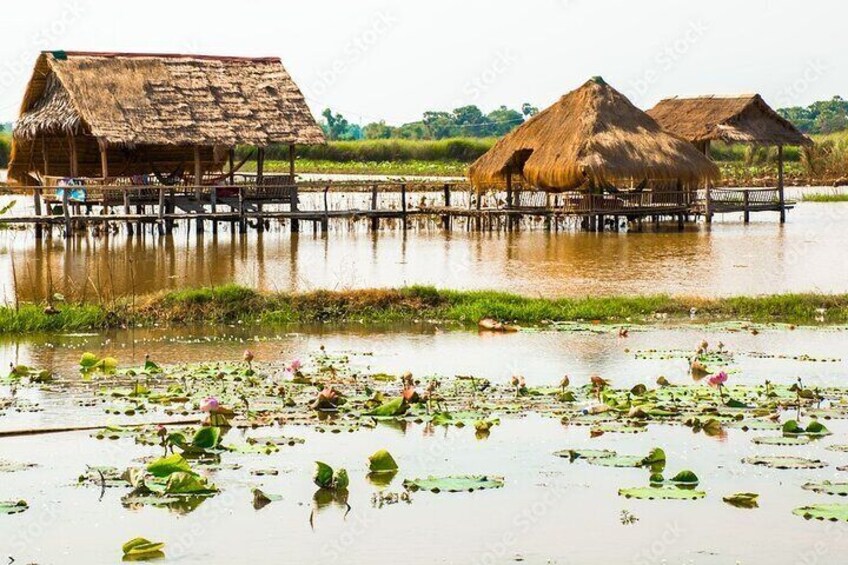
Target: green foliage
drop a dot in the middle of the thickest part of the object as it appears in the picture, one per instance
(5, 149)
(823, 116)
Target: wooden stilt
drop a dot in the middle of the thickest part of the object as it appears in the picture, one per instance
(295, 198)
(375, 222)
(747, 204)
(780, 184)
(446, 220)
(403, 206)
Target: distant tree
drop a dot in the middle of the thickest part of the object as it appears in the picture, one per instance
(470, 121)
(378, 130)
(824, 116)
(336, 127)
(412, 130)
(440, 124)
(503, 120)
(529, 111)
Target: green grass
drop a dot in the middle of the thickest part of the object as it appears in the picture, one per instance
(231, 304)
(400, 168)
(825, 197)
(5, 148)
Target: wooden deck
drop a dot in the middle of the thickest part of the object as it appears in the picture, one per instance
(248, 204)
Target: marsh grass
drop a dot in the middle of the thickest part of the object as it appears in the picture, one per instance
(233, 304)
(830, 196)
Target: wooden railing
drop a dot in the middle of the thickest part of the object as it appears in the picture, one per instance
(624, 202)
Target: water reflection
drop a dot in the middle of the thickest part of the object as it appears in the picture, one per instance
(729, 258)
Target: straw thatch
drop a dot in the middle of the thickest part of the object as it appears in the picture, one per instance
(744, 119)
(591, 137)
(153, 108)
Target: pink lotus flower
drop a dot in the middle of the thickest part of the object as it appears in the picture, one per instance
(248, 356)
(296, 365)
(209, 404)
(718, 380)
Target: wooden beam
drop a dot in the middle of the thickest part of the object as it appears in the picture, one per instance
(260, 165)
(291, 162)
(708, 199)
(232, 157)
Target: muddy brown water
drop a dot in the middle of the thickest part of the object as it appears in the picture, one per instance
(805, 255)
(549, 511)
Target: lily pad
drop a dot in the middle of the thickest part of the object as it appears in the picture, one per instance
(140, 549)
(14, 466)
(382, 462)
(13, 506)
(455, 483)
(831, 512)
(785, 462)
(742, 500)
(665, 492)
(827, 487)
(617, 461)
(573, 454)
(262, 499)
(781, 440)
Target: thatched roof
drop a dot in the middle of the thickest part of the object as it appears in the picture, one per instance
(592, 135)
(166, 99)
(745, 118)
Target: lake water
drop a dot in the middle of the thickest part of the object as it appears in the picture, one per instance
(549, 511)
(807, 254)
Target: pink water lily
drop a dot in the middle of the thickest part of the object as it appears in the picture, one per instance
(296, 365)
(248, 357)
(209, 404)
(718, 380)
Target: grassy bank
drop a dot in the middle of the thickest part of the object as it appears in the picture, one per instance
(398, 168)
(232, 304)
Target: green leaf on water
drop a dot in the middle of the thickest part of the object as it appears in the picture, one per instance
(665, 492)
(781, 440)
(655, 460)
(393, 407)
(140, 549)
(685, 477)
(13, 506)
(455, 483)
(617, 461)
(262, 499)
(188, 483)
(831, 512)
(323, 475)
(573, 454)
(89, 360)
(164, 466)
(382, 462)
(827, 487)
(14, 466)
(785, 462)
(742, 500)
(206, 437)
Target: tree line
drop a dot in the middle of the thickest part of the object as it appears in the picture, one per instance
(466, 121)
(824, 116)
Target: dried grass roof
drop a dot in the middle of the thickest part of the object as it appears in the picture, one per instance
(150, 99)
(592, 135)
(745, 118)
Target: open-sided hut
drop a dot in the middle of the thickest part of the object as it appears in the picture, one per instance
(592, 140)
(732, 119)
(113, 118)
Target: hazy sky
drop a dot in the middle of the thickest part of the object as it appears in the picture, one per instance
(373, 59)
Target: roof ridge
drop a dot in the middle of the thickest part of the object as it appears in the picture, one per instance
(60, 54)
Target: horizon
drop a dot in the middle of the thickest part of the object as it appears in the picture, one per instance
(354, 56)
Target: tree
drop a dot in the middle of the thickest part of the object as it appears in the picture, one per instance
(378, 130)
(503, 120)
(470, 121)
(440, 124)
(528, 110)
(336, 127)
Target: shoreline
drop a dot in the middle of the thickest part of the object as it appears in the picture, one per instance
(233, 304)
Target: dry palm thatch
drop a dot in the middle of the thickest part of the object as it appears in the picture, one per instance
(154, 107)
(744, 119)
(591, 137)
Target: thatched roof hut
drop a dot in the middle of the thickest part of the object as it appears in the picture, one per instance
(139, 111)
(743, 119)
(592, 137)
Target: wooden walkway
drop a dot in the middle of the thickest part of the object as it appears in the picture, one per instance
(249, 205)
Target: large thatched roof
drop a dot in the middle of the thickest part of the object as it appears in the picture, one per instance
(166, 99)
(745, 118)
(592, 135)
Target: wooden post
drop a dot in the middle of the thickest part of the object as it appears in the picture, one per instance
(708, 200)
(479, 220)
(231, 157)
(36, 197)
(295, 197)
(161, 211)
(66, 209)
(74, 160)
(198, 172)
(746, 199)
(375, 221)
(242, 227)
(325, 222)
(214, 205)
(403, 205)
(446, 221)
(780, 184)
(509, 199)
(127, 210)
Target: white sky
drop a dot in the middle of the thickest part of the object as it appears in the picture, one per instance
(372, 59)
